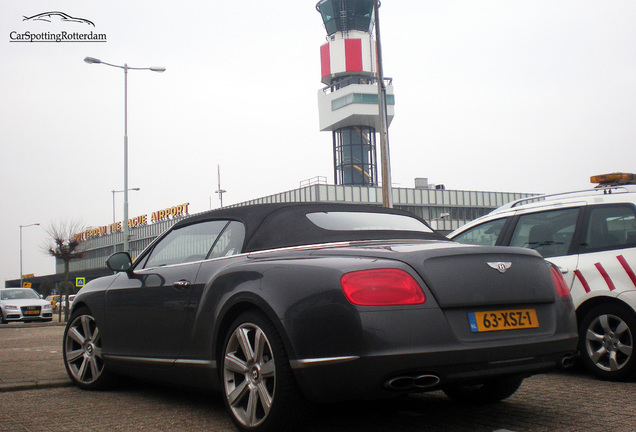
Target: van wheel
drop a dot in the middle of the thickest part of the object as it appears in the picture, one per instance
(606, 342)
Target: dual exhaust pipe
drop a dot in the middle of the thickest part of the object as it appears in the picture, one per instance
(425, 381)
(412, 382)
(567, 361)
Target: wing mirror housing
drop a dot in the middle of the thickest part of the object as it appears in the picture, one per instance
(119, 262)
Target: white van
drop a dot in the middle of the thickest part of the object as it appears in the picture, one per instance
(591, 236)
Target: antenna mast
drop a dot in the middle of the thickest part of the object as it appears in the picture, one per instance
(219, 190)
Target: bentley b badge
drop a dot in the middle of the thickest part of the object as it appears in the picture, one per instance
(500, 266)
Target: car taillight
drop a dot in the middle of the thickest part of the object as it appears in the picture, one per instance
(381, 287)
(559, 283)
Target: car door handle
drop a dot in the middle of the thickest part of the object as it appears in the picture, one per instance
(181, 284)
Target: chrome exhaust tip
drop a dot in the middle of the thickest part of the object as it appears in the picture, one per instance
(412, 382)
(426, 381)
(400, 383)
(567, 361)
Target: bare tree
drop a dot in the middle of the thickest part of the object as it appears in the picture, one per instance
(65, 243)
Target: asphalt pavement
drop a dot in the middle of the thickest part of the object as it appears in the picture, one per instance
(31, 360)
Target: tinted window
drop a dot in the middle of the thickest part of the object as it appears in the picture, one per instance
(549, 233)
(186, 244)
(485, 234)
(358, 221)
(610, 227)
(230, 242)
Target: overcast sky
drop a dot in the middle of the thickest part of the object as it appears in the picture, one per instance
(521, 96)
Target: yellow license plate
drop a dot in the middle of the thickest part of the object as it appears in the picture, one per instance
(487, 321)
(33, 312)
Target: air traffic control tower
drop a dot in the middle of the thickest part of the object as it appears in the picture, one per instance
(348, 105)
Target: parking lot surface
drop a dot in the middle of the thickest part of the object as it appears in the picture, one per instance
(31, 356)
(563, 401)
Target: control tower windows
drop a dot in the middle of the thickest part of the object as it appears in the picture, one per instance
(354, 151)
(345, 15)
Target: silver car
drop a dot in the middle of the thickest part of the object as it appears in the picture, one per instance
(23, 304)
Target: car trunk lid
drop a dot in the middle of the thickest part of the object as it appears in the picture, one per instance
(486, 276)
(460, 276)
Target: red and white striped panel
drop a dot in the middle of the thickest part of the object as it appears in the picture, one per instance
(341, 57)
(610, 284)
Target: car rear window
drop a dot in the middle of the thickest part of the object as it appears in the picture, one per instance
(359, 221)
(485, 234)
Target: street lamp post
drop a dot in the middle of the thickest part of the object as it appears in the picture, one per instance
(387, 190)
(442, 217)
(114, 219)
(23, 226)
(126, 68)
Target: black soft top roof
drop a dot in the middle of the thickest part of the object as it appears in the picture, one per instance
(271, 226)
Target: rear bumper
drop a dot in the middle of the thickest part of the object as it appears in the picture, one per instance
(381, 376)
(358, 352)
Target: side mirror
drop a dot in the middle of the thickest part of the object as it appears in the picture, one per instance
(119, 262)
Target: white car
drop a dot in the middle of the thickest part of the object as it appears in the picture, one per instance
(591, 236)
(55, 301)
(23, 304)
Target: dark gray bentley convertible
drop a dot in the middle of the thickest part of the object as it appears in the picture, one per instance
(283, 304)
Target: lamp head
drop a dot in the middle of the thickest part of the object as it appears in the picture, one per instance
(92, 60)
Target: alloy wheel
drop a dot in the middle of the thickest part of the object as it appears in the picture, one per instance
(249, 374)
(83, 350)
(609, 342)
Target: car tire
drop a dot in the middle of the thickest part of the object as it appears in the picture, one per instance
(2, 320)
(82, 351)
(606, 343)
(259, 389)
(491, 391)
